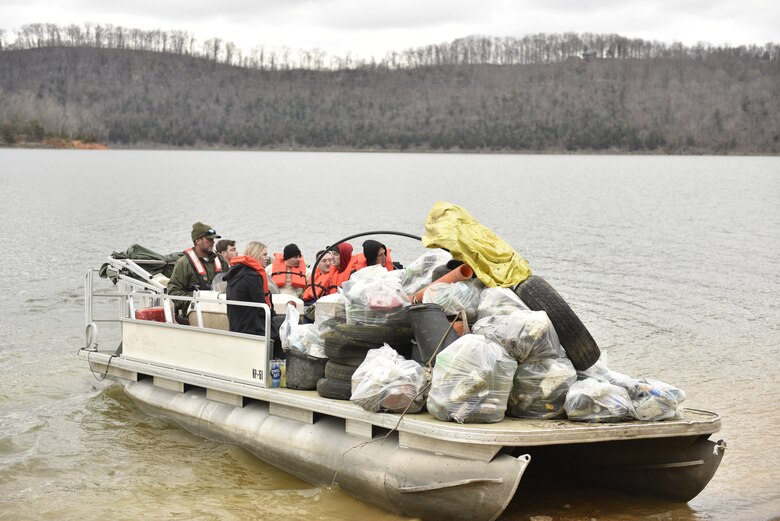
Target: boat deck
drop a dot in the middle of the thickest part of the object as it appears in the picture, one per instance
(419, 430)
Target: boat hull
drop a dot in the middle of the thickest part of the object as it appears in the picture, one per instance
(673, 468)
(376, 470)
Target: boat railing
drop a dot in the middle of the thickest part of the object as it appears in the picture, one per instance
(134, 294)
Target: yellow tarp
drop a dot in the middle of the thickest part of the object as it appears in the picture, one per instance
(494, 262)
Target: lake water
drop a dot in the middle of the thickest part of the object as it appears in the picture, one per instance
(671, 262)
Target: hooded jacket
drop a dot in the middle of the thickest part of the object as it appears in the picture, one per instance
(345, 259)
(368, 258)
(247, 282)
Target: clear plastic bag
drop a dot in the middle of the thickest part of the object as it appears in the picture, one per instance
(375, 298)
(387, 381)
(417, 275)
(454, 297)
(526, 335)
(290, 322)
(498, 301)
(596, 401)
(540, 387)
(471, 381)
(304, 338)
(653, 400)
(329, 311)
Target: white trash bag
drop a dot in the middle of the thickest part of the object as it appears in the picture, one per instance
(386, 381)
(304, 338)
(471, 381)
(653, 400)
(375, 298)
(540, 387)
(419, 273)
(594, 401)
(454, 297)
(526, 335)
(498, 301)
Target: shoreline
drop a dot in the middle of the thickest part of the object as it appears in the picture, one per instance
(76, 144)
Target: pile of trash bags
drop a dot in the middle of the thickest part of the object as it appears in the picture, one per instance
(512, 363)
(603, 395)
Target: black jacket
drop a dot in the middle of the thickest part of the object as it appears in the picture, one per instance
(245, 284)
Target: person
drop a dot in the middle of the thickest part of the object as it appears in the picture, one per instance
(374, 252)
(197, 268)
(323, 277)
(226, 248)
(288, 271)
(341, 264)
(247, 281)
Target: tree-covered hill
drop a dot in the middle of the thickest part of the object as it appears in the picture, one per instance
(673, 102)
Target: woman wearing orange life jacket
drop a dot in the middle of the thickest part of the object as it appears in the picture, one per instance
(289, 271)
(374, 252)
(323, 278)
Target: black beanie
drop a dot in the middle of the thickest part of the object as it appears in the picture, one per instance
(290, 251)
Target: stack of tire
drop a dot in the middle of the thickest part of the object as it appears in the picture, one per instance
(346, 346)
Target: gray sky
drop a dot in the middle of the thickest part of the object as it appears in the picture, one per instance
(368, 27)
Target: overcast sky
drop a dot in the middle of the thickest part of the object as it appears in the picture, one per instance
(368, 27)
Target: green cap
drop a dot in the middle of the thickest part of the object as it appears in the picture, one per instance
(203, 230)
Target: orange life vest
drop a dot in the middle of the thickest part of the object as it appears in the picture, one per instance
(198, 265)
(323, 284)
(279, 272)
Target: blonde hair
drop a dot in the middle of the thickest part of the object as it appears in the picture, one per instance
(254, 249)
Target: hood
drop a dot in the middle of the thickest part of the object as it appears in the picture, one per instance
(371, 250)
(243, 266)
(345, 255)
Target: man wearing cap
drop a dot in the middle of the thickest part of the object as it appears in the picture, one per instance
(198, 266)
(288, 271)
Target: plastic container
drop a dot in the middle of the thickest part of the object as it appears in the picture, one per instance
(431, 330)
(154, 314)
(303, 370)
(276, 374)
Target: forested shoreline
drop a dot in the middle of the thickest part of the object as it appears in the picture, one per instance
(544, 93)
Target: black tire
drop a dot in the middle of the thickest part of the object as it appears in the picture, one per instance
(336, 389)
(370, 336)
(346, 355)
(337, 371)
(579, 345)
(354, 355)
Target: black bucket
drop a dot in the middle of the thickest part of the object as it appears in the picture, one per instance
(430, 326)
(304, 370)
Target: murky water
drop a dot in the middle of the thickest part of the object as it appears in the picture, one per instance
(671, 262)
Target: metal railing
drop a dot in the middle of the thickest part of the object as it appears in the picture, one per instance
(143, 292)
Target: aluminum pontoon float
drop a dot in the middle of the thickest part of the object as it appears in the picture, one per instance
(216, 384)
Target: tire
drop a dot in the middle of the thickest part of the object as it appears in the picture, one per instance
(579, 345)
(370, 336)
(353, 355)
(335, 389)
(346, 355)
(337, 371)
